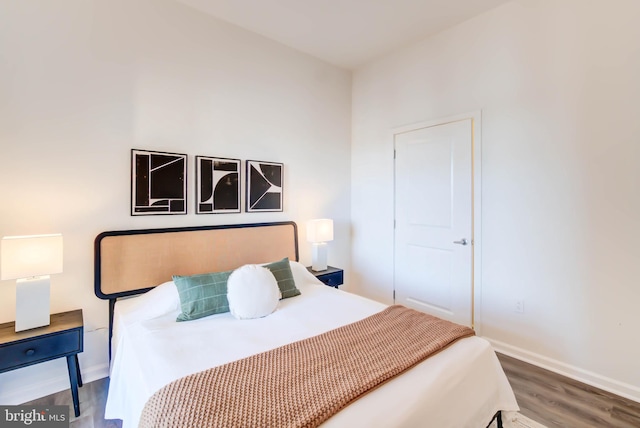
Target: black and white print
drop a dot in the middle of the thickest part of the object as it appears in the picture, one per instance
(158, 183)
(264, 186)
(217, 185)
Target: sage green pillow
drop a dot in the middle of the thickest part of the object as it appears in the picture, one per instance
(282, 271)
(202, 295)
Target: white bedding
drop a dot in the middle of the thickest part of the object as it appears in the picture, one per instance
(462, 386)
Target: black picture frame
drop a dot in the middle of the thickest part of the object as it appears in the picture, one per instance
(158, 183)
(265, 186)
(218, 185)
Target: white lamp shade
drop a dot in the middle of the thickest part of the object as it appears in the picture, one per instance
(28, 256)
(320, 230)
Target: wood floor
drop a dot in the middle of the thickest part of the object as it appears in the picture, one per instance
(543, 396)
(92, 397)
(557, 401)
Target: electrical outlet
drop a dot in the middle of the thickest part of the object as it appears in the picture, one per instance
(519, 306)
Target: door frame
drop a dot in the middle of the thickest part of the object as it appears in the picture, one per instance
(476, 185)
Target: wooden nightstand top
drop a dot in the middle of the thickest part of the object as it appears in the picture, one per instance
(328, 270)
(59, 322)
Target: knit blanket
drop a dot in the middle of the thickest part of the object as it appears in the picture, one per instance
(304, 383)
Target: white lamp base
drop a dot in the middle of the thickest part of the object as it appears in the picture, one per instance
(32, 302)
(319, 256)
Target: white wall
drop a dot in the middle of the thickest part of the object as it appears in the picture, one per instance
(557, 83)
(83, 82)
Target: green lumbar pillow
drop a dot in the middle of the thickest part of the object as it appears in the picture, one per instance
(282, 271)
(202, 295)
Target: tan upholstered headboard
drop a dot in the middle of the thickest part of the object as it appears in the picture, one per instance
(134, 261)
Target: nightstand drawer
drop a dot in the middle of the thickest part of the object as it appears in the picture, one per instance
(24, 353)
(333, 279)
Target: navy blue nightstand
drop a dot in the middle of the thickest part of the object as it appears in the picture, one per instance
(333, 277)
(63, 337)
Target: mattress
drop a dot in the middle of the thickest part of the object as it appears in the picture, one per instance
(461, 386)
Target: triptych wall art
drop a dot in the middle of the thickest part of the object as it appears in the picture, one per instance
(159, 184)
(264, 186)
(217, 185)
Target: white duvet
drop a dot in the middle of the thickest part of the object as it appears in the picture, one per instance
(462, 386)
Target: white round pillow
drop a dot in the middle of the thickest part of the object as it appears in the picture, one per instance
(252, 292)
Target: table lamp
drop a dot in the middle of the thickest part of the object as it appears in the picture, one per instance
(319, 232)
(30, 260)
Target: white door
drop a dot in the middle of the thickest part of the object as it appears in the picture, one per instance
(434, 220)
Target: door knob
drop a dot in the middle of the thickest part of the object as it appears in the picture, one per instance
(463, 241)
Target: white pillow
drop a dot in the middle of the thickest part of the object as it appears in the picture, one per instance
(301, 275)
(252, 292)
(156, 302)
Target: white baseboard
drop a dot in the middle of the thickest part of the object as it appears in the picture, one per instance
(585, 376)
(34, 390)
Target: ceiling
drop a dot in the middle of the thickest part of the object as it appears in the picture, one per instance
(346, 33)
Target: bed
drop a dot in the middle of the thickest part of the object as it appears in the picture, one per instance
(461, 386)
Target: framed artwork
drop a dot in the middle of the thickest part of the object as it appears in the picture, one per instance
(158, 183)
(264, 186)
(217, 185)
